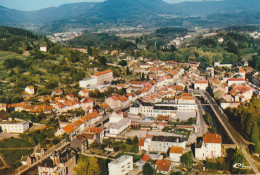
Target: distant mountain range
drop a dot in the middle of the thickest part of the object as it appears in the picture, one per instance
(133, 12)
(44, 16)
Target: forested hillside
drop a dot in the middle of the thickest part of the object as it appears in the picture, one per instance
(246, 120)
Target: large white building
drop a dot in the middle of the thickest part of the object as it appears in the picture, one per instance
(117, 128)
(121, 166)
(210, 147)
(14, 126)
(161, 143)
(97, 79)
(164, 109)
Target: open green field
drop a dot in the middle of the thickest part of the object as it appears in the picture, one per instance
(14, 156)
(15, 143)
(7, 55)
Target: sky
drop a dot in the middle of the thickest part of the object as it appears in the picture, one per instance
(27, 5)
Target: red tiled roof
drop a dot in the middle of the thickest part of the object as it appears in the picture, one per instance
(123, 98)
(94, 130)
(187, 98)
(212, 138)
(103, 72)
(84, 90)
(177, 88)
(163, 165)
(141, 142)
(176, 150)
(236, 79)
(115, 97)
(94, 114)
(68, 129)
(137, 82)
(31, 87)
(145, 158)
(202, 82)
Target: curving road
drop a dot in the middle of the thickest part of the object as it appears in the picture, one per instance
(233, 134)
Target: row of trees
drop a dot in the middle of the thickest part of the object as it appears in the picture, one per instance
(246, 120)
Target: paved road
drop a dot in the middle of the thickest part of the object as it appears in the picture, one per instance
(46, 155)
(235, 136)
(202, 126)
(250, 161)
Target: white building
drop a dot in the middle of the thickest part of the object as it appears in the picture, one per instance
(235, 81)
(176, 153)
(30, 90)
(91, 81)
(14, 126)
(43, 48)
(217, 64)
(162, 143)
(97, 79)
(210, 147)
(201, 85)
(116, 116)
(121, 166)
(164, 109)
(116, 129)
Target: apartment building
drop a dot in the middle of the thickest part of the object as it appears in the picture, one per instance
(121, 166)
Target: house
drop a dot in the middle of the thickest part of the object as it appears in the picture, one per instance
(116, 116)
(29, 90)
(163, 166)
(236, 81)
(59, 163)
(3, 107)
(57, 92)
(176, 153)
(201, 85)
(209, 147)
(142, 161)
(43, 48)
(86, 103)
(84, 93)
(34, 157)
(82, 141)
(161, 143)
(14, 126)
(118, 101)
(99, 133)
(121, 166)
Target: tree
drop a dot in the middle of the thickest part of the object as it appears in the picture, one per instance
(142, 78)
(102, 60)
(255, 137)
(187, 160)
(87, 167)
(89, 51)
(123, 63)
(128, 71)
(129, 141)
(148, 77)
(135, 140)
(147, 169)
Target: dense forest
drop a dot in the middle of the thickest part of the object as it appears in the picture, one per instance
(103, 41)
(246, 120)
